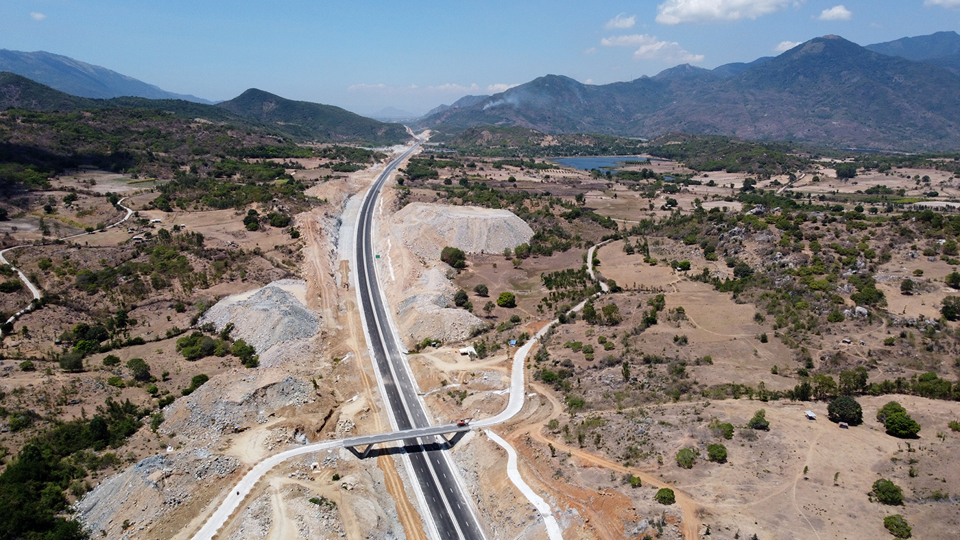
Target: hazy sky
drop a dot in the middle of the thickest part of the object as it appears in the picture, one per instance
(365, 55)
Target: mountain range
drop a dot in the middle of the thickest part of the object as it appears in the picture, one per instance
(81, 79)
(297, 120)
(900, 95)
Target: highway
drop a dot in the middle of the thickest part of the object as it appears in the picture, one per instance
(450, 511)
(410, 434)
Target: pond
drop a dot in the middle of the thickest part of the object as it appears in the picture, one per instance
(598, 162)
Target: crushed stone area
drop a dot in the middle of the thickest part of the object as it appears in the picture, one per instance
(268, 317)
(427, 228)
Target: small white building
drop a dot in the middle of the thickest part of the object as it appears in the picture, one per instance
(156, 220)
(810, 415)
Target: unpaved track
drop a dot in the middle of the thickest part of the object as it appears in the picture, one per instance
(691, 525)
(328, 296)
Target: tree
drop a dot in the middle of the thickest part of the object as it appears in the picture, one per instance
(488, 307)
(590, 313)
(665, 496)
(759, 421)
(950, 308)
(611, 314)
(717, 453)
(460, 298)
(897, 526)
(454, 257)
(900, 425)
(686, 457)
(953, 280)
(742, 270)
(507, 300)
(824, 387)
(845, 409)
(252, 220)
(481, 290)
(846, 170)
(139, 369)
(683, 266)
(835, 316)
(853, 381)
(907, 286)
(887, 492)
(891, 408)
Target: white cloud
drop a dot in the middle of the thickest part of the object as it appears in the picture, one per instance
(500, 87)
(627, 41)
(435, 90)
(944, 3)
(785, 46)
(667, 51)
(685, 11)
(622, 22)
(651, 48)
(37, 16)
(836, 13)
(591, 50)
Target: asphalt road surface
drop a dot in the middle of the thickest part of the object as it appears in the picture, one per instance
(448, 506)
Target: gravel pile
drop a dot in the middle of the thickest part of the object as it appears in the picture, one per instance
(268, 317)
(427, 228)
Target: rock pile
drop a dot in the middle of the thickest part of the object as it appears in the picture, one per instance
(269, 317)
(427, 228)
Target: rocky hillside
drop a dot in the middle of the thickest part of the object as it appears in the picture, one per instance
(828, 90)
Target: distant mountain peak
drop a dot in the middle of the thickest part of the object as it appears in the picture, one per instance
(827, 90)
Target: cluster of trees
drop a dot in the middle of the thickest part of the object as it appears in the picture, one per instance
(32, 486)
(197, 346)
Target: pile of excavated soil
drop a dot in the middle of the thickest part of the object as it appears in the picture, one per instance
(426, 314)
(273, 320)
(427, 228)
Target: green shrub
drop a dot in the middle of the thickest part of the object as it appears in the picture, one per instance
(507, 300)
(116, 381)
(110, 360)
(686, 458)
(724, 430)
(139, 369)
(835, 316)
(897, 526)
(900, 425)
(634, 481)
(887, 492)
(954, 425)
(759, 421)
(27, 365)
(481, 290)
(845, 409)
(665, 496)
(454, 257)
(717, 453)
(196, 382)
(890, 408)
